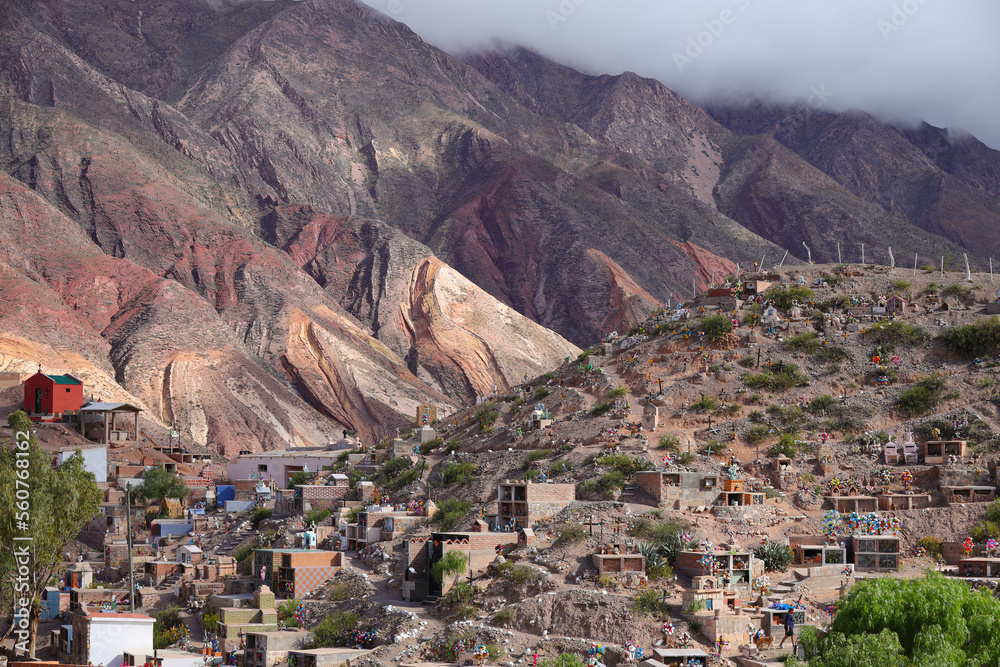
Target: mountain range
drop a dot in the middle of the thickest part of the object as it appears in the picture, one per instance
(269, 222)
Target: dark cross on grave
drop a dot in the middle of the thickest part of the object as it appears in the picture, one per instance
(659, 381)
(591, 523)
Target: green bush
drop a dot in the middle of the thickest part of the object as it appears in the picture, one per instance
(504, 618)
(685, 458)
(892, 334)
(783, 297)
(517, 573)
(931, 544)
(562, 660)
(601, 409)
(757, 434)
(922, 396)
(775, 556)
(669, 442)
(650, 601)
(297, 479)
(957, 290)
(748, 361)
(570, 533)
(979, 339)
(558, 468)
(930, 620)
(784, 447)
(458, 472)
(821, 403)
(807, 342)
(531, 475)
(705, 404)
(352, 514)
(317, 516)
(618, 392)
(260, 514)
(777, 378)
(900, 285)
(716, 326)
(625, 464)
(450, 511)
(429, 446)
(990, 527)
(486, 415)
(286, 612)
(334, 630)
(169, 628)
(827, 354)
(541, 393)
(537, 455)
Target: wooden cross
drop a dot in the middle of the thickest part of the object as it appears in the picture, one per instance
(591, 523)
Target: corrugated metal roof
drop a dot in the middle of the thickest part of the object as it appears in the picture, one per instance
(63, 379)
(110, 407)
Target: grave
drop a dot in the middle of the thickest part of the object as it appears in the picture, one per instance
(936, 452)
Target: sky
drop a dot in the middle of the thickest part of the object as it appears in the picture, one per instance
(902, 60)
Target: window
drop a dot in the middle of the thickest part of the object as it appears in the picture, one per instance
(261, 467)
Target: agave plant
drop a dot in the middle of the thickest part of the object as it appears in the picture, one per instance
(775, 555)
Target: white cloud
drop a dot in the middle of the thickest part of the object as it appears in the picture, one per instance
(934, 60)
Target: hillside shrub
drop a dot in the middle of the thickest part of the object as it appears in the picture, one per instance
(601, 409)
(922, 396)
(570, 533)
(617, 392)
(786, 446)
(979, 339)
(450, 511)
(784, 297)
(669, 443)
(890, 335)
(458, 472)
(705, 404)
(334, 630)
(828, 354)
(778, 377)
(716, 326)
(537, 455)
(807, 342)
(625, 464)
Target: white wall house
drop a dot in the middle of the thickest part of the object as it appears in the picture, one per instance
(112, 635)
(95, 460)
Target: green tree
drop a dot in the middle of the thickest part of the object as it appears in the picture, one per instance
(50, 505)
(158, 484)
(334, 630)
(451, 564)
(929, 621)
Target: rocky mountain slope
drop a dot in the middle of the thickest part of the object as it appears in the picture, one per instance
(271, 221)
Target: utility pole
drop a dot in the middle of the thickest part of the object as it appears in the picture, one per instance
(128, 528)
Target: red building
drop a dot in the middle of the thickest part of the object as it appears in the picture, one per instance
(46, 397)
